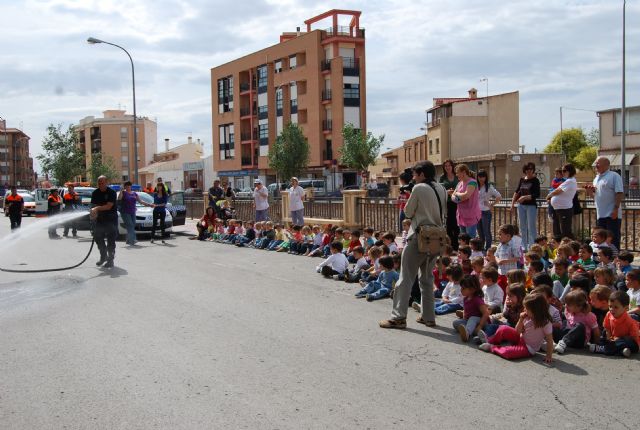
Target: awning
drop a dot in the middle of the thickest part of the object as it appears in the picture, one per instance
(614, 159)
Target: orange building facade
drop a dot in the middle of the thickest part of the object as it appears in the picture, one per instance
(315, 79)
(16, 164)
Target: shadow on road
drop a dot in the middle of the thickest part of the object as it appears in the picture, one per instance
(113, 272)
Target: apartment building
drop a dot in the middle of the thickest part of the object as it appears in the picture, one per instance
(112, 135)
(180, 167)
(16, 165)
(406, 156)
(314, 78)
(462, 127)
(610, 124)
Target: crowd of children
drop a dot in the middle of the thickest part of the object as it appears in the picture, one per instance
(559, 295)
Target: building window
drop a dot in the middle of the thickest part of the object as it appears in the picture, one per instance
(262, 79)
(227, 141)
(293, 62)
(279, 102)
(351, 94)
(437, 145)
(124, 133)
(277, 67)
(632, 123)
(430, 146)
(263, 134)
(225, 94)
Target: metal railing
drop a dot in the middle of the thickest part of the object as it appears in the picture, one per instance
(382, 214)
(327, 209)
(326, 95)
(325, 65)
(327, 125)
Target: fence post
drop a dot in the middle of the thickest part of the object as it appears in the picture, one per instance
(286, 215)
(205, 201)
(349, 210)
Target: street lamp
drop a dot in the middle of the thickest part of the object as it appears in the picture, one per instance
(93, 41)
(486, 81)
(623, 110)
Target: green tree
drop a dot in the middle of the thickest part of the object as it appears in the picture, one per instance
(359, 151)
(593, 138)
(585, 158)
(102, 165)
(568, 142)
(289, 155)
(62, 158)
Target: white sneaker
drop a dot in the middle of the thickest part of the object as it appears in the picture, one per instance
(560, 348)
(486, 347)
(626, 352)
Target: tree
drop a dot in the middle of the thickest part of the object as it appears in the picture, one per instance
(62, 158)
(289, 155)
(102, 165)
(585, 158)
(359, 151)
(593, 138)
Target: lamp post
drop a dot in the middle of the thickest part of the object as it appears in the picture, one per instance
(623, 110)
(93, 41)
(486, 81)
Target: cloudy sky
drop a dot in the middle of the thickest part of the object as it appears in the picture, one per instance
(555, 52)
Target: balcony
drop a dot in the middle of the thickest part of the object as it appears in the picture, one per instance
(245, 112)
(325, 65)
(326, 95)
(245, 87)
(350, 66)
(344, 31)
(327, 125)
(434, 123)
(248, 136)
(246, 161)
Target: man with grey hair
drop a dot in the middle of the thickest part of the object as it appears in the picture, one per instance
(104, 212)
(608, 192)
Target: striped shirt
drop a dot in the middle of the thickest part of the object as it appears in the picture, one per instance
(507, 251)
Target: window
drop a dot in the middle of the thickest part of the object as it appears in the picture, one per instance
(124, 133)
(430, 146)
(277, 67)
(293, 62)
(437, 145)
(225, 94)
(262, 79)
(227, 140)
(263, 132)
(632, 122)
(279, 102)
(352, 94)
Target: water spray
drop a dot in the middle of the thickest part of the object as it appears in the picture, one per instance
(29, 231)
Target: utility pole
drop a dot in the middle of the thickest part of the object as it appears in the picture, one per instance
(623, 111)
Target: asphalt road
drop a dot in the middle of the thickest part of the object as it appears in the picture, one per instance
(194, 335)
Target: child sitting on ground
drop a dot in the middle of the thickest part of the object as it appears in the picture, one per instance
(633, 285)
(599, 299)
(335, 264)
(476, 248)
(621, 333)
(375, 252)
(368, 239)
(604, 276)
(491, 255)
(286, 243)
(598, 239)
(512, 309)
(535, 267)
(353, 243)
(610, 244)
(327, 237)
(475, 312)
(580, 325)
(381, 287)
(439, 277)
(353, 274)
(406, 225)
(547, 293)
(533, 328)
(451, 296)
(586, 258)
(493, 294)
(544, 280)
(463, 240)
(249, 235)
(389, 239)
(559, 276)
(507, 253)
(477, 264)
(623, 262)
(278, 238)
(605, 258)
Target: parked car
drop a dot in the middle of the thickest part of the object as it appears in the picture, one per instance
(318, 185)
(275, 188)
(29, 207)
(245, 193)
(382, 190)
(144, 218)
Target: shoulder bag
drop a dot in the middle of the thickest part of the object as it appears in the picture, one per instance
(432, 240)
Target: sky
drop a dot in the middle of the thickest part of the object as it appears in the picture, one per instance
(554, 52)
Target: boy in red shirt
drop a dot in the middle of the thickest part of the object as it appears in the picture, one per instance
(622, 334)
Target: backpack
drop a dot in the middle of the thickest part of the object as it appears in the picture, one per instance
(432, 240)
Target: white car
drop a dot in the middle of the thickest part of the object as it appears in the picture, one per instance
(245, 193)
(29, 207)
(144, 218)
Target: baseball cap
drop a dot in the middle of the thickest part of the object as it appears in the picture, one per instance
(257, 181)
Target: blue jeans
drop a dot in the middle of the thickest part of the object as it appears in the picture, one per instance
(527, 221)
(469, 324)
(484, 229)
(297, 217)
(273, 245)
(130, 225)
(471, 230)
(375, 290)
(442, 308)
(262, 215)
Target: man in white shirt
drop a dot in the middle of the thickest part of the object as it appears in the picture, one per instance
(296, 207)
(608, 192)
(261, 201)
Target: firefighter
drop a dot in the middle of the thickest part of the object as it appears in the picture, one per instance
(149, 188)
(16, 204)
(71, 199)
(53, 209)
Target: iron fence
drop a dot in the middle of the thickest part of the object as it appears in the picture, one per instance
(381, 214)
(327, 209)
(195, 208)
(245, 210)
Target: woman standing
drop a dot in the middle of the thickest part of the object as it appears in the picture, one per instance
(296, 206)
(160, 199)
(526, 196)
(561, 199)
(466, 196)
(128, 201)
(486, 192)
(449, 181)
